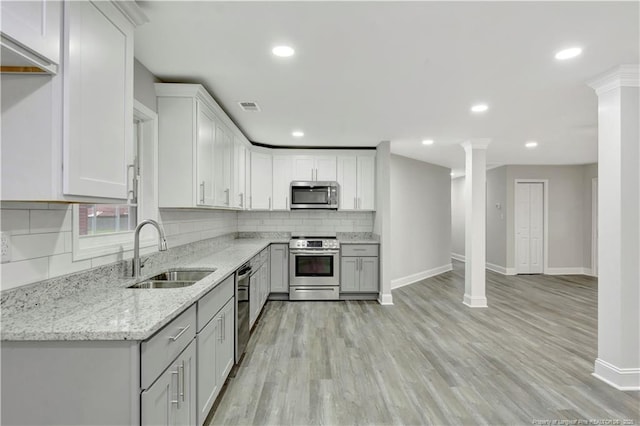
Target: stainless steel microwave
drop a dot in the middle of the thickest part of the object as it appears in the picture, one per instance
(314, 195)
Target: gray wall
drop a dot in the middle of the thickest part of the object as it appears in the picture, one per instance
(457, 216)
(497, 216)
(420, 216)
(567, 213)
(590, 172)
(143, 88)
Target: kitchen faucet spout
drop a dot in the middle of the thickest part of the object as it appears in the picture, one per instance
(162, 244)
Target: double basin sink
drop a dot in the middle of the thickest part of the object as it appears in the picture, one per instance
(174, 278)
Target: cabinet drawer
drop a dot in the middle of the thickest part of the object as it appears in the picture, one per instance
(166, 344)
(360, 249)
(213, 301)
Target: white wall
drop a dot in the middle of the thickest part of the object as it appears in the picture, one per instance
(457, 216)
(590, 172)
(315, 222)
(420, 220)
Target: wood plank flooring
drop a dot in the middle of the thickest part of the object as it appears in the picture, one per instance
(429, 359)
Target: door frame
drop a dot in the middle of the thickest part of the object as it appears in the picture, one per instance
(545, 222)
(594, 226)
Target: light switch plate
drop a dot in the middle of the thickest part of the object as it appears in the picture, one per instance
(5, 246)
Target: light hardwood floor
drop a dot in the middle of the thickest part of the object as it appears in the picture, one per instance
(429, 359)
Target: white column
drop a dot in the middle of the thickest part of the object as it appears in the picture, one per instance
(382, 218)
(475, 199)
(618, 361)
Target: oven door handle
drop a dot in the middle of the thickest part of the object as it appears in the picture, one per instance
(314, 252)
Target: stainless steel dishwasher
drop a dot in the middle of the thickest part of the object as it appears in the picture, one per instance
(242, 310)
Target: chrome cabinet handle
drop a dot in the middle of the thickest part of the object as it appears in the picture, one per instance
(269, 203)
(355, 205)
(286, 203)
(359, 204)
(177, 336)
(177, 400)
(250, 201)
(241, 199)
(226, 194)
(202, 193)
(182, 381)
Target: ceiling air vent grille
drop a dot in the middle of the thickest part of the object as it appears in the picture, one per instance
(249, 106)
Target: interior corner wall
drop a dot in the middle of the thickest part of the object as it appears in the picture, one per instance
(420, 218)
(457, 216)
(497, 217)
(567, 213)
(144, 90)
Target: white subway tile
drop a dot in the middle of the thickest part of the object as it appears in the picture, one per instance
(68, 242)
(63, 264)
(20, 205)
(15, 222)
(50, 221)
(32, 246)
(105, 260)
(16, 274)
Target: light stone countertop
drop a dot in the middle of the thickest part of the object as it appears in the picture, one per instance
(116, 312)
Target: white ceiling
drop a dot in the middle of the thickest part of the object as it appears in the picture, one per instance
(401, 71)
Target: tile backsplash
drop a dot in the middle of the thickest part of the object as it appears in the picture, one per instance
(301, 221)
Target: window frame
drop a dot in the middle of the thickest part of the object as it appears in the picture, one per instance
(90, 246)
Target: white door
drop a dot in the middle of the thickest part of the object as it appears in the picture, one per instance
(325, 168)
(366, 183)
(347, 178)
(529, 228)
(282, 177)
(205, 151)
(261, 181)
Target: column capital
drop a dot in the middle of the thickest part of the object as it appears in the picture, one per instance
(480, 143)
(620, 76)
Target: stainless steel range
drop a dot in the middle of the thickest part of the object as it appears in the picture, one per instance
(314, 268)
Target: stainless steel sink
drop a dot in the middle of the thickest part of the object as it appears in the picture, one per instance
(163, 284)
(182, 275)
(174, 278)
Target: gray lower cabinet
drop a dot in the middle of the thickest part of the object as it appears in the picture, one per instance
(171, 400)
(359, 268)
(279, 268)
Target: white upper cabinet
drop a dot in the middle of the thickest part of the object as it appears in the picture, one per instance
(239, 174)
(314, 168)
(69, 136)
(261, 181)
(31, 32)
(356, 176)
(282, 177)
(201, 156)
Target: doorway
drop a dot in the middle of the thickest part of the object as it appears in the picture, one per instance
(530, 227)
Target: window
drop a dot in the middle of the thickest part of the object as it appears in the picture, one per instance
(102, 229)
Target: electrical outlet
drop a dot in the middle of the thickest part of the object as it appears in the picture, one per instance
(5, 246)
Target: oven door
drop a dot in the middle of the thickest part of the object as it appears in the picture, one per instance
(314, 267)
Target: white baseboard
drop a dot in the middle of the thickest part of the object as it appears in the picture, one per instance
(419, 276)
(496, 268)
(624, 379)
(385, 299)
(511, 271)
(475, 302)
(457, 256)
(566, 271)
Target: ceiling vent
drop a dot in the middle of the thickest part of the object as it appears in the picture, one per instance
(249, 106)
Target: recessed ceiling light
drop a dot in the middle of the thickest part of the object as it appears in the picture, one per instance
(531, 144)
(297, 134)
(427, 142)
(479, 108)
(568, 53)
(452, 174)
(283, 51)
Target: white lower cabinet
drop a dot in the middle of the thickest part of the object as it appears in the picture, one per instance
(260, 285)
(171, 400)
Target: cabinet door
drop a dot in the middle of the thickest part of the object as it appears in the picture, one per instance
(158, 403)
(222, 166)
(261, 181)
(369, 274)
(366, 183)
(279, 268)
(186, 411)
(35, 25)
(349, 274)
(208, 383)
(304, 168)
(226, 348)
(205, 136)
(98, 100)
(326, 168)
(347, 178)
(239, 150)
(282, 177)
(254, 293)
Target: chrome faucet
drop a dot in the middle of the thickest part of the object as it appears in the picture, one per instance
(162, 244)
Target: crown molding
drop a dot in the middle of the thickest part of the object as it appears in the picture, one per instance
(620, 76)
(131, 11)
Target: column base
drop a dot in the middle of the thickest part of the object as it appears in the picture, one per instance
(385, 299)
(624, 379)
(475, 302)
